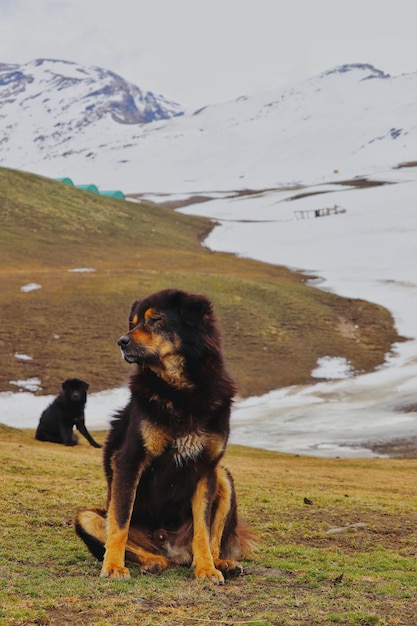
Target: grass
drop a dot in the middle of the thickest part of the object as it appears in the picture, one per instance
(275, 325)
(300, 575)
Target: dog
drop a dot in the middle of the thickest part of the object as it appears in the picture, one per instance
(66, 411)
(169, 500)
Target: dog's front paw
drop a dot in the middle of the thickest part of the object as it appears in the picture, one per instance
(230, 569)
(210, 573)
(153, 565)
(114, 571)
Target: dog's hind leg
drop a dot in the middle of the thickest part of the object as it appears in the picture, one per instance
(225, 511)
(149, 562)
(90, 526)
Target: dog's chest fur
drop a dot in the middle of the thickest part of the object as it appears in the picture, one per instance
(188, 448)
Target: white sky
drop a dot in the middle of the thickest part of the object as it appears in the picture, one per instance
(199, 52)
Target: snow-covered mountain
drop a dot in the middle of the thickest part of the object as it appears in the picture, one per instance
(46, 103)
(63, 119)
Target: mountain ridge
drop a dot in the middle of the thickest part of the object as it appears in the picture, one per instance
(350, 120)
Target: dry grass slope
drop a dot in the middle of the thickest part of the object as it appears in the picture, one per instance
(275, 325)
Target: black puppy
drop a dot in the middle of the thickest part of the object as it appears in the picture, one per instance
(66, 411)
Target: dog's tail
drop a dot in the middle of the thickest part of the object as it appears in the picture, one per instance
(240, 543)
(248, 539)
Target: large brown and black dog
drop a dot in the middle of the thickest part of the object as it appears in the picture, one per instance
(169, 501)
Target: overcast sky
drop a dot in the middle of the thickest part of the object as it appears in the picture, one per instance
(198, 52)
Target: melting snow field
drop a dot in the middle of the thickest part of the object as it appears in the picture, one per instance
(369, 252)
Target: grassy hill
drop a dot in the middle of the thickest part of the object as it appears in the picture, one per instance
(275, 326)
(337, 545)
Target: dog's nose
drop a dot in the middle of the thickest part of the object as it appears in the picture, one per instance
(124, 341)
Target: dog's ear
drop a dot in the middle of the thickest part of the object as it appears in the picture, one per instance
(133, 309)
(65, 384)
(85, 386)
(194, 308)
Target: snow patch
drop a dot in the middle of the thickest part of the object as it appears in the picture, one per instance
(30, 384)
(22, 357)
(30, 287)
(332, 368)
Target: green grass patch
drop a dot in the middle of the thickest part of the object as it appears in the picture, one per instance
(300, 575)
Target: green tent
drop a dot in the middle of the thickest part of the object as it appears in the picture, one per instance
(91, 188)
(113, 194)
(119, 195)
(67, 181)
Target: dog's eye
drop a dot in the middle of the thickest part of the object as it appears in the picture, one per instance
(154, 320)
(152, 317)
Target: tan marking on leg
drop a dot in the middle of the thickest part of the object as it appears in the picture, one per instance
(223, 498)
(202, 558)
(114, 557)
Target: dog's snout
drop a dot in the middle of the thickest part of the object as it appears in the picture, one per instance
(124, 341)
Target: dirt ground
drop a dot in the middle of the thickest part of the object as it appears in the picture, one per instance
(405, 448)
(398, 447)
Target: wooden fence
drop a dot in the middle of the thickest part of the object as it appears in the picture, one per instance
(310, 213)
